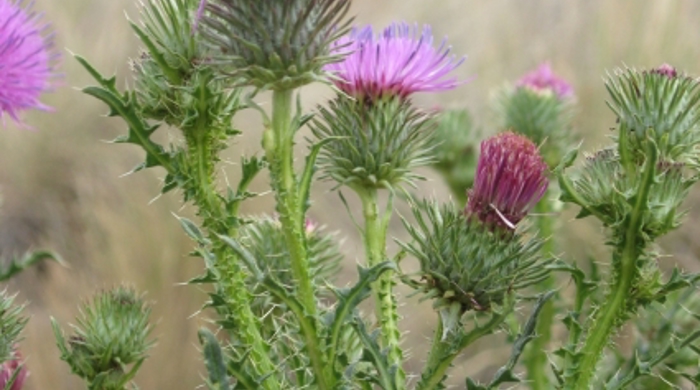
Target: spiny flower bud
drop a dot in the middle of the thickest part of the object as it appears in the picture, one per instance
(661, 100)
(543, 80)
(271, 43)
(377, 146)
(399, 61)
(27, 60)
(463, 262)
(511, 178)
(8, 369)
(111, 334)
(540, 108)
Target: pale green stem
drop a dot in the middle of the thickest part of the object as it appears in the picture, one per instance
(278, 142)
(614, 308)
(374, 236)
(536, 360)
(239, 300)
(443, 352)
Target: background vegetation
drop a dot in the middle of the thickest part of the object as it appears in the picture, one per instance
(62, 187)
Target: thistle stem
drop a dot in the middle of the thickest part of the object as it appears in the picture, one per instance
(536, 360)
(239, 300)
(374, 237)
(625, 256)
(278, 142)
(444, 350)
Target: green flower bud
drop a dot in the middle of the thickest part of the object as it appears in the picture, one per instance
(379, 144)
(111, 334)
(264, 238)
(11, 325)
(661, 100)
(274, 44)
(463, 261)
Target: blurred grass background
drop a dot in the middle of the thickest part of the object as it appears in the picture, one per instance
(62, 186)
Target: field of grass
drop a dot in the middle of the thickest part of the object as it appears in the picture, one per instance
(62, 185)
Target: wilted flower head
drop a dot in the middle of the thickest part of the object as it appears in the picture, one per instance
(26, 60)
(397, 62)
(7, 370)
(510, 180)
(543, 79)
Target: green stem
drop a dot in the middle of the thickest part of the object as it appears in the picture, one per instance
(374, 236)
(235, 289)
(536, 360)
(278, 142)
(443, 352)
(626, 254)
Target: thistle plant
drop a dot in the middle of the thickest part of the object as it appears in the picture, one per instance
(277, 319)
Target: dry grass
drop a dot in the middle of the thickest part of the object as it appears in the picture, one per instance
(62, 190)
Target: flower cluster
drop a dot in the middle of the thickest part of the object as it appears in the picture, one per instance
(511, 178)
(543, 80)
(27, 60)
(397, 62)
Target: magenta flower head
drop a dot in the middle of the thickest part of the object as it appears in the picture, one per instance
(8, 368)
(543, 80)
(397, 62)
(26, 60)
(511, 177)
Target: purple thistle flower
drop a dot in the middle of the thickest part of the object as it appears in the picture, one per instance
(398, 62)
(510, 180)
(543, 79)
(26, 60)
(666, 70)
(8, 368)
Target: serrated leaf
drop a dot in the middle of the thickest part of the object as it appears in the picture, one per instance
(29, 259)
(214, 360)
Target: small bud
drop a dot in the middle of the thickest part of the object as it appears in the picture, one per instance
(540, 108)
(666, 70)
(543, 80)
(111, 334)
(8, 369)
(511, 178)
(397, 62)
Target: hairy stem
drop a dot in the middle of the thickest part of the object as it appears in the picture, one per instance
(625, 256)
(239, 300)
(278, 142)
(374, 237)
(536, 360)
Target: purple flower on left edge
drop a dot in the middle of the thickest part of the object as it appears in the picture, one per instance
(399, 61)
(544, 80)
(27, 60)
(511, 177)
(8, 368)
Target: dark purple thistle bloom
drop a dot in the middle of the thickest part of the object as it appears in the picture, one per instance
(511, 177)
(26, 60)
(8, 368)
(397, 62)
(543, 79)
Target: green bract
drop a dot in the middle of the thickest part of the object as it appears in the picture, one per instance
(464, 262)
(666, 103)
(378, 145)
(275, 44)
